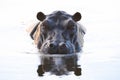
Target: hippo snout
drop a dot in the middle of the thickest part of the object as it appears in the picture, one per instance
(59, 48)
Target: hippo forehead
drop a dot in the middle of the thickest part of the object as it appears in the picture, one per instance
(59, 15)
(59, 18)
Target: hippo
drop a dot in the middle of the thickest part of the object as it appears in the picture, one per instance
(59, 37)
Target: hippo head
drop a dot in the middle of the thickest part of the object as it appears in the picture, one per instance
(58, 33)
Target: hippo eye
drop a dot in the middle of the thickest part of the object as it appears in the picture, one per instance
(71, 27)
(45, 25)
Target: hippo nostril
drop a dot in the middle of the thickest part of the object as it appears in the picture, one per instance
(63, 49)
(63, 46)
(52, 48)
(51, 45)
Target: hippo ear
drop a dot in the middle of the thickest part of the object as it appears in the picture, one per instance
(77, 16)
(41, 16)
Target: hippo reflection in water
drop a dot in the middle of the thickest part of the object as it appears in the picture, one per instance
(59, 38)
